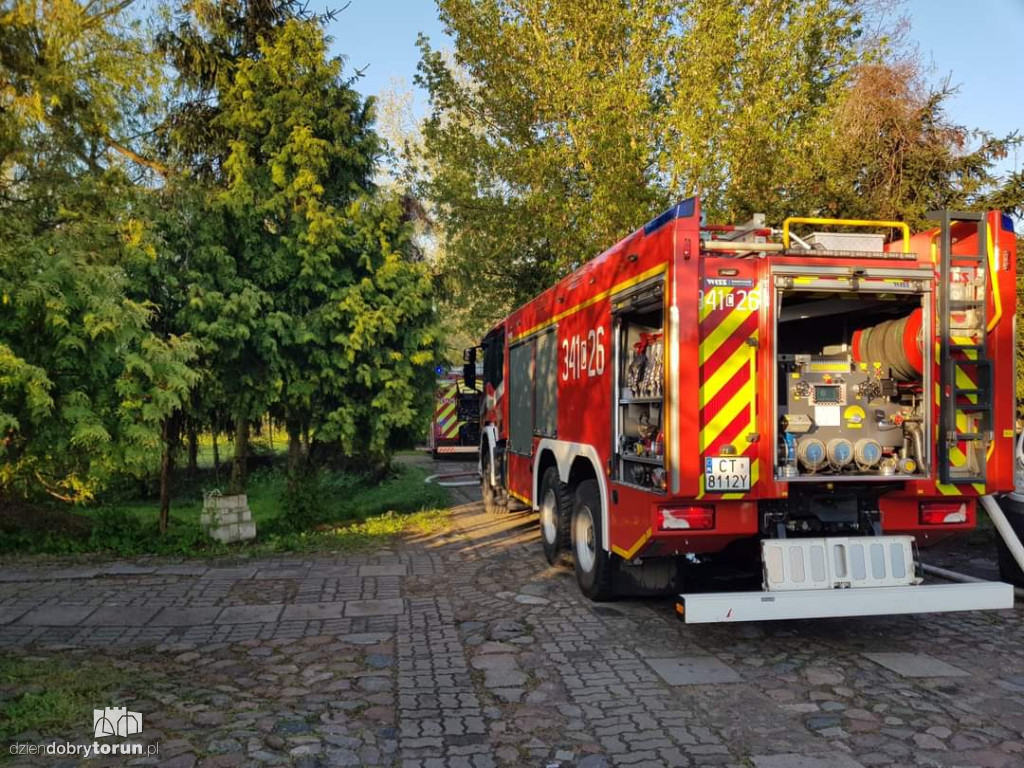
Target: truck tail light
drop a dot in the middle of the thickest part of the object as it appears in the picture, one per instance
(689, 518)
(943, 513)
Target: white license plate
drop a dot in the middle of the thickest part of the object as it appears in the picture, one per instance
(726, 474)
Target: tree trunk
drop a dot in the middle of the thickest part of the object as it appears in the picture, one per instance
(193, 449)
(294, 453)
(166, 468)
(216, 456)
(238, 468)
(270, 433)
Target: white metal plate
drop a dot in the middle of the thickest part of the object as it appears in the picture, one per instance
(726, 474)
(838, 562)
(833, 603)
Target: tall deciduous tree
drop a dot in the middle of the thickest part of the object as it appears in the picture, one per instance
(558, 126)
(561, 126)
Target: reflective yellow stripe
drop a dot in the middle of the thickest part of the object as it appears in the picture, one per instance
(994, 272)
(725, 416)
(593, 300)
(627, 554)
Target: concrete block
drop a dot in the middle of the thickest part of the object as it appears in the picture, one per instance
(694, 670)
(313, 611)
(250, 614)
(394, 569)
(121, 616)
(185, 617)
(391, 606)
(228, 518)
(831, 760)
(57, 615)
(915, 665)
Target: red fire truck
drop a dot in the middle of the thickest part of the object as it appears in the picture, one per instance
(825, 404)
(455, 426)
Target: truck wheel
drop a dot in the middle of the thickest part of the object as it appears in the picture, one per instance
(1009, 571)
(555, 511)
(594, 565)
(495, 501)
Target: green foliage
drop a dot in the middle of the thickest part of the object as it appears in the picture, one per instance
(558, 127)
(85, 384)
(46, 699)
(348, 338)
(239, 263)
(333, 510)
(888, 150)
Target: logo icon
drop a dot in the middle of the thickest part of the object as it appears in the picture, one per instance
(115, 721)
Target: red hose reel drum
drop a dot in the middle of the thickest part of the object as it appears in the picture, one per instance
(896, 344)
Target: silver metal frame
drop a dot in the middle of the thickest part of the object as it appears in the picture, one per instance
(914, 278)
(616, 312)
(710, 608)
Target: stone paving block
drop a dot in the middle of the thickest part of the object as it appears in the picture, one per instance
(230, 574)
(57, 615)
(392, 606)
(185, 617)
(365, 638)
(129, 569)
(250, 614)
(73, 573)
(264, 574)
(21, 576)
(832, 760)
(120, 616)
(694, 670)
(9, 613)
(313, 611)
(398, 569)
(915, 665)
(182, 570)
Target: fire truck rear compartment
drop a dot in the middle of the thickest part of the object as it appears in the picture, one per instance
(851, 396)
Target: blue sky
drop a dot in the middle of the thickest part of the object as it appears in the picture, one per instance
(980, 44)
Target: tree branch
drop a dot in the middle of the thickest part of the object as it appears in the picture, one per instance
(135, 157)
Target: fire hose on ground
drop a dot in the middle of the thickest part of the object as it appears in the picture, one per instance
(448, 481)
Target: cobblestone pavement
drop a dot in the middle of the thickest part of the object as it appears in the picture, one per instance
(467, 649)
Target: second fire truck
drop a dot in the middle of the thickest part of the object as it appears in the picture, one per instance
(823, 404)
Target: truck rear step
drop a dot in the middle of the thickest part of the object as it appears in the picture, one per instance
(834, 603)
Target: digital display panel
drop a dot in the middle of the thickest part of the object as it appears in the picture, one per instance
(828, 393)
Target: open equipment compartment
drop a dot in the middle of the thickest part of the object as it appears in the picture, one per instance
(853, 377)
(639, 318)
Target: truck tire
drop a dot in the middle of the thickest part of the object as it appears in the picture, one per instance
(495, 499)
(594, 565)
(1009, 571)
(555, 511)
(1013, 509)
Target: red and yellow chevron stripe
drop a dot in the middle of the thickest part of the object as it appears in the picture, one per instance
(728, 377)
(965, 422)
(445, 416)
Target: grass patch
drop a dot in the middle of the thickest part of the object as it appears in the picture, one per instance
(331, 510)
(372, 532)
(41, 698)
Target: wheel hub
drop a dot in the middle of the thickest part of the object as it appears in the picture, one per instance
(585, 538)
(548, 517)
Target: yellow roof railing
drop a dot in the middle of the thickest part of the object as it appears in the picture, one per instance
(847, 223)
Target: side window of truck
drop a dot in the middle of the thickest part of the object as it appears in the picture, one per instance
(494, 359)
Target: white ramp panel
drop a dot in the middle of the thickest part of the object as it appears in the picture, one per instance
(838, 562)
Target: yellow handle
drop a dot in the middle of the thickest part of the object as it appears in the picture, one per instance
(993, 270)
(847, 223)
